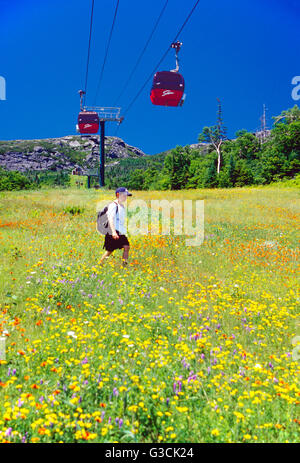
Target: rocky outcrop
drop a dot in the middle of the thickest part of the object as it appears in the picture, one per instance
(63, 153)
(18, 160)
(203, 147)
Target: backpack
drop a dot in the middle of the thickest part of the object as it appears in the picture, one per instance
(102, 225)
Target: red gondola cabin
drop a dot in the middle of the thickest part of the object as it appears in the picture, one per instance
(88, 122)
(167, 88)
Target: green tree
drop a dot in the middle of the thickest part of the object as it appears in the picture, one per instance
(176, 167)
(280, 157)
(210, 176)
(151, 178)
(136, 180)
(231, 171)
(196, 172)
(288, 116)
(246, 145)
(242, 173)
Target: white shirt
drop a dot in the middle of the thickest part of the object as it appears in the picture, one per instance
(119, 217)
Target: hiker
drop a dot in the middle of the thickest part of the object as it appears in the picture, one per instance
(116, 238)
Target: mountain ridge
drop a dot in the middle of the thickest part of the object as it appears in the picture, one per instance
(62, 153)
(70, 152)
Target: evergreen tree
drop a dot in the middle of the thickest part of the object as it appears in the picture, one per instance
(231, 171)
(176, 167)
(210, 177)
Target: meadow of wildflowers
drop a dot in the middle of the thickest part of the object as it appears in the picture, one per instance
(189, 344)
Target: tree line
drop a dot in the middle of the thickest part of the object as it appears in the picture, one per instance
(246, 160)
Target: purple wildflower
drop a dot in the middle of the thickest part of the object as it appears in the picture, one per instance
(8, 432)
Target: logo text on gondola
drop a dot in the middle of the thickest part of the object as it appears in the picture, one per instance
(2, 88)
(167, 92)
(296, 89)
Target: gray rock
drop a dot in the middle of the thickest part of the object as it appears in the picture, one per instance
(74, 144)
(38, 149)
(43, 157)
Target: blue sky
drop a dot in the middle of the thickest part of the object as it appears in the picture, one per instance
(243, 52)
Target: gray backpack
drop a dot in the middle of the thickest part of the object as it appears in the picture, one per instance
(102, 221)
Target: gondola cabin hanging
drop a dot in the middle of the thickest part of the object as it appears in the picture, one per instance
(168, 86)
(88, 122)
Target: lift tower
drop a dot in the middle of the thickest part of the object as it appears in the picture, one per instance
(105, 115)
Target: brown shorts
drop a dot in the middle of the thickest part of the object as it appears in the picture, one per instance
(110, 244)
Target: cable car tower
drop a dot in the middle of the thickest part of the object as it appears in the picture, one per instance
(89, 119)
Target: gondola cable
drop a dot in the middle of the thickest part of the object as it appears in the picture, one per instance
(142, 53)
(88, 55)
(161, 60)
(87, 121)
(106, 52)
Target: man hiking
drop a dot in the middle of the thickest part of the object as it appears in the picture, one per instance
(116, 238)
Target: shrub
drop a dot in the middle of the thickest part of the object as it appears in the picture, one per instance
(13, 180)
(74, 210)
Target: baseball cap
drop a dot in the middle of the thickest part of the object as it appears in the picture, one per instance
(122, 189)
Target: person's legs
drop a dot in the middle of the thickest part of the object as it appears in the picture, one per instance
(105, 256)
(125, 254)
